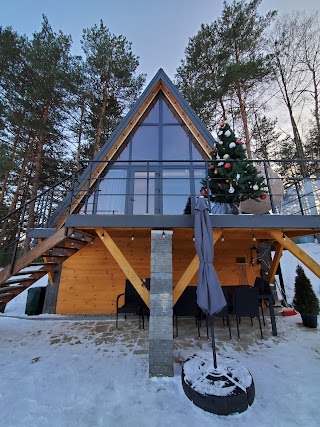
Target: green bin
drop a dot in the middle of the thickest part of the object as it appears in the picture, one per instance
(35, 300)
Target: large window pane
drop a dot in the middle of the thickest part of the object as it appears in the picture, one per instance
(175, 143)
(145, 143)
(176, 191)
(144, 193)
(112, 193)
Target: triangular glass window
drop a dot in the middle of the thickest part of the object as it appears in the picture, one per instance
(153, 115)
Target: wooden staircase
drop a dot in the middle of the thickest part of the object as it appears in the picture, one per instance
(27, 269)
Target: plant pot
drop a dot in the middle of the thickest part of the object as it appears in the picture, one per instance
(310, 320)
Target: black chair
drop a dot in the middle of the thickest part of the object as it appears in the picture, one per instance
(187, 306)
(246, 304)
(224, 313)
(264, 288)
(133, 304)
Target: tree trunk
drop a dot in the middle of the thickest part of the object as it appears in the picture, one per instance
(36, 178)
(224, 114)
(15, 198)
(244, 121)
(316, 106)
(6, 178)
(80, 135)
(243, 110)
(101, 117)
(296, 135)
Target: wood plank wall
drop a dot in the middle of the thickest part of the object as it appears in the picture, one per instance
(91, 279)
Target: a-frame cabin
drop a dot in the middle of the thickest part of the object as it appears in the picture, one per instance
(131, 216)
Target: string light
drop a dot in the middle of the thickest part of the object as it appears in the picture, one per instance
(132, 235)
(193, 238)
(253, 237)
(283, 235)
(163, 235)
(102, 236)
(222, 236)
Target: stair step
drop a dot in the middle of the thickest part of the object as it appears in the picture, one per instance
(42, 264)
(33, 272)
(17, 280)
(65, 247)
(54, 256)
(12, 289)
(76, 239)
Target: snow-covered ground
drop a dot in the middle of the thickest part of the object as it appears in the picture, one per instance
(67, 372)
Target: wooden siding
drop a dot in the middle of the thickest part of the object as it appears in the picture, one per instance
(91, 279)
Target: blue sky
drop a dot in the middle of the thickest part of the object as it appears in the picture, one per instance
(159, 30)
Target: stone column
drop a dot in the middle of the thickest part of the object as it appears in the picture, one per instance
(160, 322)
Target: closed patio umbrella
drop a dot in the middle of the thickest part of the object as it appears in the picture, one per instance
(210, 297)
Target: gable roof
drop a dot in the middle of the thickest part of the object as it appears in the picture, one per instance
(160, 82)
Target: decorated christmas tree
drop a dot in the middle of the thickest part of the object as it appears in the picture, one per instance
(231, 177)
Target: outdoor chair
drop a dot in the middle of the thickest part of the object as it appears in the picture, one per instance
(246, 304)
(133, 304)
(187, 306)
(224, 313)
(263, 288)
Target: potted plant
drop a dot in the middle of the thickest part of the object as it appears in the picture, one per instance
(305, 300)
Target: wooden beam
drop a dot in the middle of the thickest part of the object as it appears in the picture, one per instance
(50, 273)
(296, 251)
(190, 271)
(124, 265)
(275, 263)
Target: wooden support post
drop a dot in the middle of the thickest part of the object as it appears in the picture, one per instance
(275, 263)
(190, 271)
(296, 251)
(50, 273)
(124, 265)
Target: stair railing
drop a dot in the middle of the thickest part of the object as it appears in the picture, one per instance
(13, 226)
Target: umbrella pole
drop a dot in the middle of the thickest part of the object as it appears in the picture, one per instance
(211, 319)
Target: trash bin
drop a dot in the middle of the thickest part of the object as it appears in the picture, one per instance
(35, 300)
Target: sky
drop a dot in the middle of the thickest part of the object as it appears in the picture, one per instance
(59, 371)
(159, 30)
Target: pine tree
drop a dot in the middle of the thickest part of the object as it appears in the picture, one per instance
(305, 300)
(231, 178)
(111, 68)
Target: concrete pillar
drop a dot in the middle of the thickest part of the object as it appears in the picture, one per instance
(160, 322)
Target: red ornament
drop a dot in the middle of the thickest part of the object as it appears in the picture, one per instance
(219, 185)
(203, 191)
(222, 124)
(237, 184)
(216, 172)
(239, 142)
(263, 196)
(211, 167)
(227, 181)
(227, 166)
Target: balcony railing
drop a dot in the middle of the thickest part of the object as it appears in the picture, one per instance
(171, 187)
(148, 187)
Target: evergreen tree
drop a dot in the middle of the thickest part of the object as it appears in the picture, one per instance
(231, 178)
(265, 137)
(305, 300)
(227, 59)
(111, 67)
